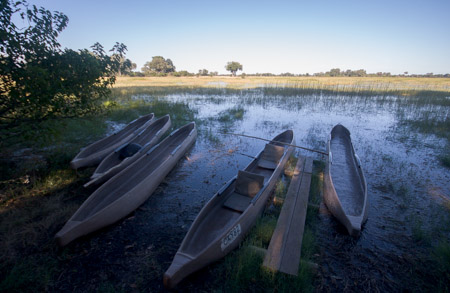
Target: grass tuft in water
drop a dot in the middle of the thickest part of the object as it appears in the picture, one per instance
(445, 160)
(419, 232)
(441, 256)
(231, 115)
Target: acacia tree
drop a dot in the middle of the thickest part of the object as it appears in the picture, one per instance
(158, 65)
(38, 79)
(233, 67)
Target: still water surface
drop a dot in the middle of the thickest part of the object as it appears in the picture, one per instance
(407, 185)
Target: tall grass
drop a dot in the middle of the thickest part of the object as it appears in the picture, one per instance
(334, 84)
(442, 257)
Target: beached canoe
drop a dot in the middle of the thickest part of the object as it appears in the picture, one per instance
(127, 190)
(130, 152)
(94, 153)
(345, 187)
(224, 221)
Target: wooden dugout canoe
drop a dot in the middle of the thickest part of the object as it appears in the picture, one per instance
(94, 153)
(122, 157)
(345, 187)
(224, 221)
(127, 190)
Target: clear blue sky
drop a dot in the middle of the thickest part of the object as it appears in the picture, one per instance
(267, 36)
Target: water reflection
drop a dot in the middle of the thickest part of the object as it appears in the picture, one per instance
(396, 137)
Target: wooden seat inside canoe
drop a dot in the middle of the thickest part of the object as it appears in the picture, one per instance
(247, 186)
(270, 156)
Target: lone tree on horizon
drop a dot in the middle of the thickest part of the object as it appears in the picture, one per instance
(233, 67)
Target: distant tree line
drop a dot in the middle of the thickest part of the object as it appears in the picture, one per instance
(164, 67)
(336, 72)
(205, 72)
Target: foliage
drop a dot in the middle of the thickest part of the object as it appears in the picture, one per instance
(126, 66)
(39, 80)
(203, 72)
(158, 65)
(337, 72)
(233, 67)
(182, 73)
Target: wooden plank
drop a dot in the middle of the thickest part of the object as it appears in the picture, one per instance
(275, 250)
(292, 252)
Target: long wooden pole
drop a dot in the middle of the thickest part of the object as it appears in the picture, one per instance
(293, 145)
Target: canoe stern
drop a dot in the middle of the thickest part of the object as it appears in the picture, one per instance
(181, 267)
(68, 233)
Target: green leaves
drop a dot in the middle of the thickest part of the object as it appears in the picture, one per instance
(158, 65)
(233, 67)
(40, 81)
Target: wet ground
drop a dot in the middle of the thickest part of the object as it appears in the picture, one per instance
(408, 189)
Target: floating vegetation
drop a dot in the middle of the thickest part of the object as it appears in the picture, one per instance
(231, 115)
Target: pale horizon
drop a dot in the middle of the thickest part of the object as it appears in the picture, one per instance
(298, 37)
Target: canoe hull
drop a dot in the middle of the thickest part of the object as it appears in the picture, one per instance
(345, 187)
(94, 153)
(80, 224)
(113, 164)
(185, 263)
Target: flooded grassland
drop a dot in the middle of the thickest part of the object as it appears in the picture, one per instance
(403, 143)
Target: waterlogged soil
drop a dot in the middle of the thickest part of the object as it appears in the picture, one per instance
(407, 186)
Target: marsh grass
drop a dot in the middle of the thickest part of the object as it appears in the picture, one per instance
(419, 232)
(106, 287)
(361, 85)
(432, 123)
(430, 271)
(30, 215)
(39, 192)
(242, 271)
(29, 274)
(445, 160)
(441, 256)
(232, 114)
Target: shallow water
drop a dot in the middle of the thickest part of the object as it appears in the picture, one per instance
(407, 185)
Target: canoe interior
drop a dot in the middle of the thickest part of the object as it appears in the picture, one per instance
(151, 131)
(134, 174)
(347, 179)
(142, 140)
(215, 218)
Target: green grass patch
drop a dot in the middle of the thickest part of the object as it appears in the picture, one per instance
(445, 160)
(419, 232)
(242, 271)
(231, 115)
(441, 256)
(29, 275)
(106, 287)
